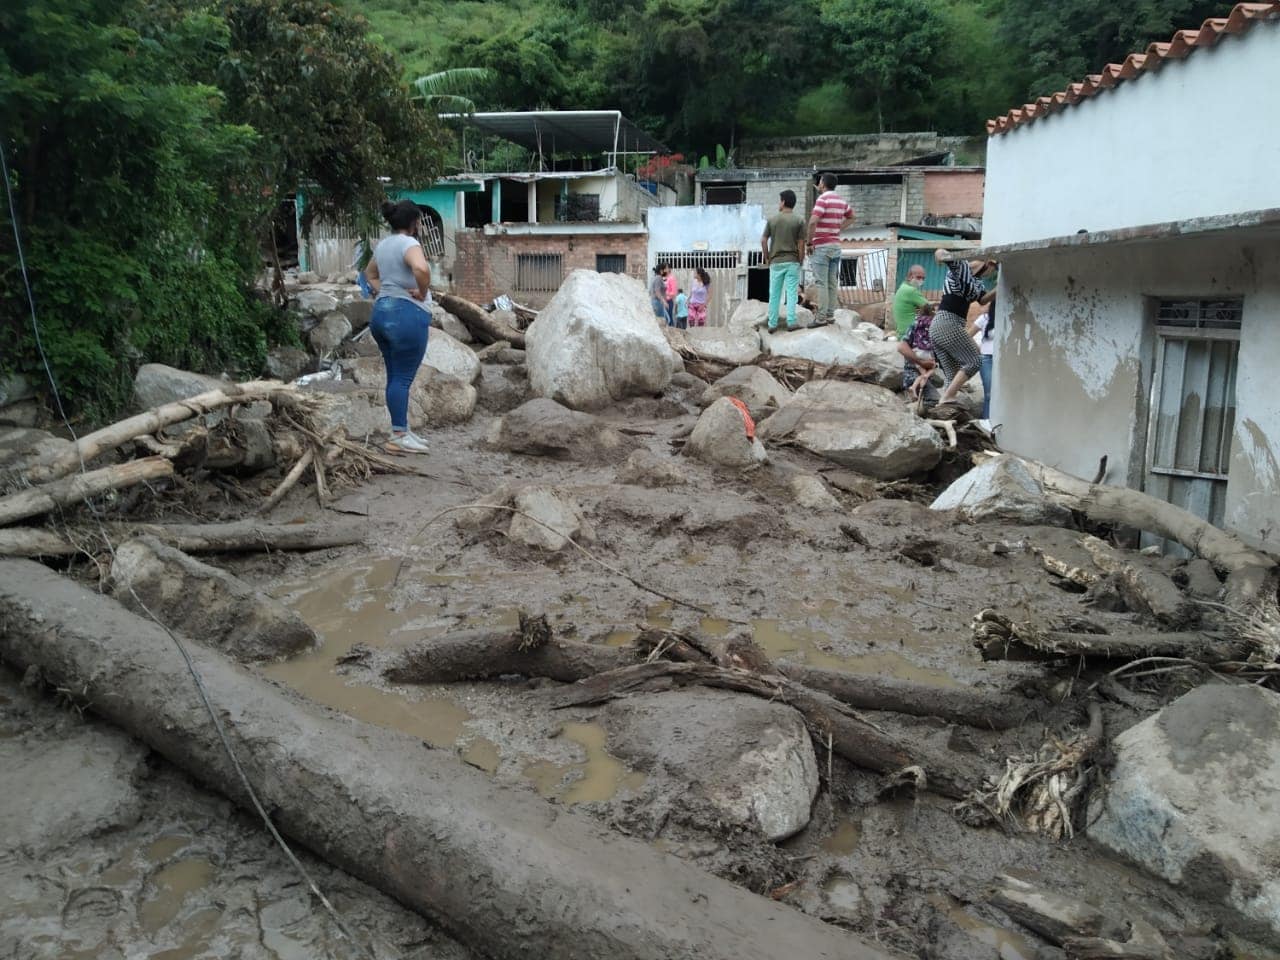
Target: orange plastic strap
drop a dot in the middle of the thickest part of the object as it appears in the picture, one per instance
(746, 417)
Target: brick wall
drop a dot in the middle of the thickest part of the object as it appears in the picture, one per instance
(874, 204)
(486, 266)
(957, 194)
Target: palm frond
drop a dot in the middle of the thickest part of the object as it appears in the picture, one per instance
(456, 82)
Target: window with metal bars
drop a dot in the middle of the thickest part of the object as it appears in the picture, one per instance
(539, 272)
(724, 193)
(611, 263)
(578, 208)
(706, 259)
(1200, 314)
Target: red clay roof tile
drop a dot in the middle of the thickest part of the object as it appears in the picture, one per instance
(1242, 17)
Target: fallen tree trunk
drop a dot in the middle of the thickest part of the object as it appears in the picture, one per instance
(831, 722)
(477, 654)
(483, 325)
(987, 709)
(237, 537)
(148, 422)
(1248, 569)
(34, 501)
(999, 638)
(1147, 591)
(508, 874)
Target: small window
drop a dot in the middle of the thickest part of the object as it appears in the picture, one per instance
(849, 271)
(707, 259)
(1200, 314)
(611, 263)
(539, 272)
(724, 193)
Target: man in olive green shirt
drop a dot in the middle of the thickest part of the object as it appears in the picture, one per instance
(783, 247)
(908, 300)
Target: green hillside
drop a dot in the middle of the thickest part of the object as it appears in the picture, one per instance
(702, 72)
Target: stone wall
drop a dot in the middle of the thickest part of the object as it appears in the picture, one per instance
(855, 150)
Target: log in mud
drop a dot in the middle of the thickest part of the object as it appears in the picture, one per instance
(505, 872)
(237, 536)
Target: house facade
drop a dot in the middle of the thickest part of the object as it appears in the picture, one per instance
(1137, 224)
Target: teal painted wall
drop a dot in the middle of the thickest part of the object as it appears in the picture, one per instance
(934, 273)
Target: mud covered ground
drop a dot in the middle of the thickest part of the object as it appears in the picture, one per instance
(158, 868)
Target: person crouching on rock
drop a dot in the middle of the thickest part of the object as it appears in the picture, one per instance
(400, 278)
(916, 347)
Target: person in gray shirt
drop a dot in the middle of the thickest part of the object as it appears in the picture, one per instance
(400, 277)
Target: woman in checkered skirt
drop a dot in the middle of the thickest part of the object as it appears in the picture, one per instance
(953, 348)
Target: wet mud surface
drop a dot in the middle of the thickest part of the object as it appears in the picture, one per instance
(169, 871)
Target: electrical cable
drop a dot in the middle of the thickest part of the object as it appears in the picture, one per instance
(182, 648)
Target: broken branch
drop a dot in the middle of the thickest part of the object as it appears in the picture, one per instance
(73, 490)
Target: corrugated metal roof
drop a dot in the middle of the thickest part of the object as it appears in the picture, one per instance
(1242, 17)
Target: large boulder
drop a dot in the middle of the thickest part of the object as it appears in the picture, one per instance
(156, 384)
(857, 425)
(1194, 797)
(754, 386)
(314, 302)
(720, 437)
(442, 319)
(20, 445)
(751, 761)
(327, 335)
(447, 355)
(287, 363)
(544, 428)
(435, 398)
(358, 312)
(833, 345)
(359, 411)
(1002, 490)
(502, 387)
(811, 493)
(205, 603)
(597, 342)
(754, 315)
(644, 468)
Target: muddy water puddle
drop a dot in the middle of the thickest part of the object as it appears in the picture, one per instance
(598, 778)
(1007, 944)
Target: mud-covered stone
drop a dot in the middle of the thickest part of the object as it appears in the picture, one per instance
(435, 398)
(78, 786)
(544, 428)
(835, 345)
(210, 605)
(447, 355)
(811, 493)
(358, 312)
(442, 319)
(754, 315)
(287, 363)
(645, 468)
(354, 408)
(750, 760)
(502, 388)
(314, 302)
(856, 425)
(23, 445)
(754, 386)
(597, 342)
(1194, 797)
(720, 437)
(1002, 490)
(547, 519)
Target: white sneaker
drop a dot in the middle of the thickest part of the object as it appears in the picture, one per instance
(406, 443)
(421, 440)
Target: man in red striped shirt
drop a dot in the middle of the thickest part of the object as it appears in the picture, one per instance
(830, 215)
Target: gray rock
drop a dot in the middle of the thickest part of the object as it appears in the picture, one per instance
(288, 363)
(442, 319)
(327, 335)
(596, 342)
(23, 445)
(359, 411)
(308, 276)
(23, 413)
(812, 494)
(868, 330)
(754, 314)
(77, 786)
(751, 760)
(544, 428)
(833, 345)
(509, 356)
(447, 355)
(687, 381)
(1202, 579)
(357, 313)
(14, 388)
(207, 604)
(1194, 797)
(724, 343)
(548, 509)
(645, 468)
(848, 319)
(720, 437)
(1002, 490)
(502, 388)
(156, 384)
(857, 425)
(435, 398)
(754, 386)
(314, 302)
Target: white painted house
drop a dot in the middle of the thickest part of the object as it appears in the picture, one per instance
(1136, 217)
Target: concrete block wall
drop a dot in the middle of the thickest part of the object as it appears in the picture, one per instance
(954, 194)
(485, 266)
(874, 204)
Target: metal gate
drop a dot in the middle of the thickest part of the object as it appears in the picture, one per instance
(1193, 406)
(724, 268)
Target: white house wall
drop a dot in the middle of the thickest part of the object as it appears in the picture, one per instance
(1193, 139)
(1073, 365)
(720, 227)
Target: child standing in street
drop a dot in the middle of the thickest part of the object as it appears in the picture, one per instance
(698, 298)
(682, 310)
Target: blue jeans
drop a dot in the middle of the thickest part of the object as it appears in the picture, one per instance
(985, 372)
(400, 329)
(659, 308)
(784, 279)
(825, 264)
(363, 283)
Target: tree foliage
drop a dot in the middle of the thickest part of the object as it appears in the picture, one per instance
(149, 144)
